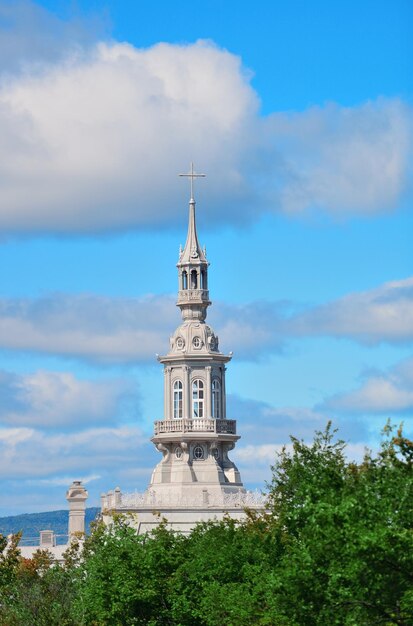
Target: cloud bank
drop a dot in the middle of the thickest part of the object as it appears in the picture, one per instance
(344, 160)
(130, 330)
(382, 393)
(266, 429)
(31, 453)
(56, 427)
(59, 399)
(91, 142)
(384, 314)
(88, 327)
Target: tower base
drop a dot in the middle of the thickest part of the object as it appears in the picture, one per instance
(182, 511)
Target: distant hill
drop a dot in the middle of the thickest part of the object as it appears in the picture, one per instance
(32, 523)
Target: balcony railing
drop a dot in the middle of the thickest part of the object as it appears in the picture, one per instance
(198, 499)
(44, 542)
(196, 425)
(186, 295)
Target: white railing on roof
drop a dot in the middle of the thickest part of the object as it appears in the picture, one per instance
(39, 541)
(150, 499)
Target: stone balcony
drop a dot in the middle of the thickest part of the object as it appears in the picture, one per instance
(196, 425)
(193, 295)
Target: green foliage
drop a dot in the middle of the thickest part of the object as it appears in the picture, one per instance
(124, 578)
(40, 593)
(335, 547)
(218, 581)
(347, 531)
(9, 560)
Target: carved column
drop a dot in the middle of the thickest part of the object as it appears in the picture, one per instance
(224, 394)
(187, 391)
(168, 393)
(165, 393)
(208, 399)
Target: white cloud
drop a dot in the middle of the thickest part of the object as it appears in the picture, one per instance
(90, 327)
(344, 160)
(388, 393)
(32, 454)
(384, 314)
(376, 395)
(265, 429)
(90, 138)
(380, 315)
(92, 142)
(129, 330)
(12, 437)
(255, 461)
(65, 481)
(56, 399)
(250, 329)
(261, 422)
(37, 466)
(265, 453)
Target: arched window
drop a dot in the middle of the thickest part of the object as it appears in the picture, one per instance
(197, 398)
(204, 280)
(184, 280)
(194, 279)
(177, 399)
(216, 399)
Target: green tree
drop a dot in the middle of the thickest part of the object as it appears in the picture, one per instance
(346, 531)
(9, 560)
(220, 581)
(124, 577)
(335, 547)
(41, 593)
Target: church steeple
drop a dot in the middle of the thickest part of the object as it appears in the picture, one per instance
(194, 435)
(193, 295)
(195, 480)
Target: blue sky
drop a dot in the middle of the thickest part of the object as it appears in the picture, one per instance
(300, 114)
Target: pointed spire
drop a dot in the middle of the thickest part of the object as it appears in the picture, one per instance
(192, 252)
(193, 294)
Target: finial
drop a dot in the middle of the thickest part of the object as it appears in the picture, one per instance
(192, 175)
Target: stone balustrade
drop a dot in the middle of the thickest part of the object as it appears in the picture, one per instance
(195, 425)
(150, 499)
(187, 295)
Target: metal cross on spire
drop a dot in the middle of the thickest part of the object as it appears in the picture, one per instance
(192, 175)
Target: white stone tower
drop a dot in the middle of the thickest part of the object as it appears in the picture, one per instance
(195, 479)
(194, 436)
